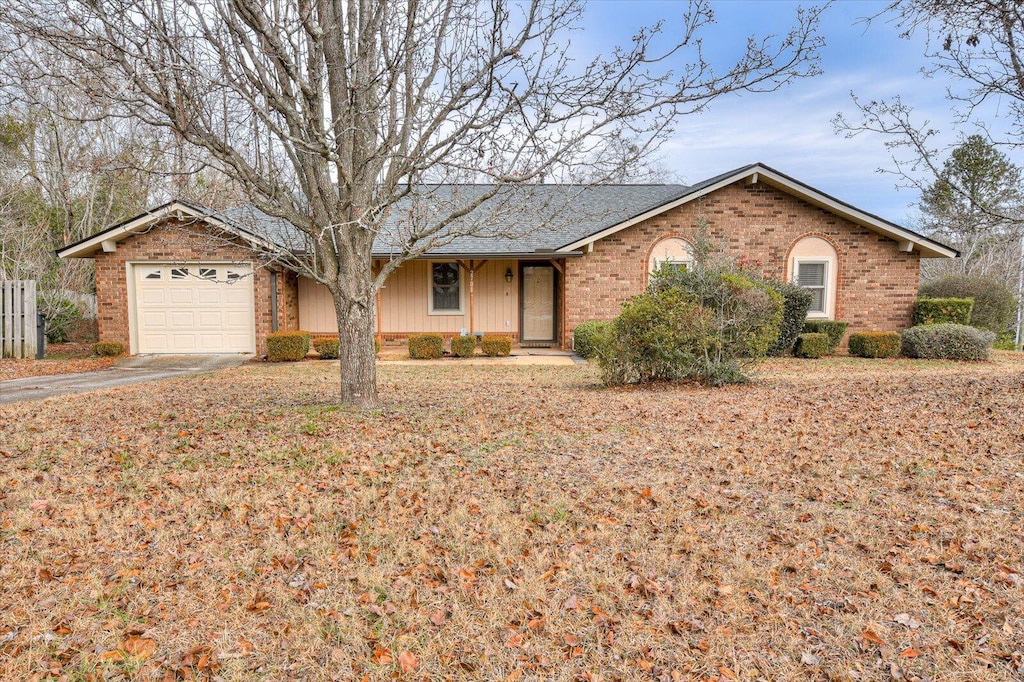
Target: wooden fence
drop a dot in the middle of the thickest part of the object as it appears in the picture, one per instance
(17, 319)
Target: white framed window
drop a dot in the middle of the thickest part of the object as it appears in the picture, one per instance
(672, 252)
(208, 273)
(445, 289)
(179, 273)
(152, 273)
(813, 275)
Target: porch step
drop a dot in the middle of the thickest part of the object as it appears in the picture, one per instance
(534, 344)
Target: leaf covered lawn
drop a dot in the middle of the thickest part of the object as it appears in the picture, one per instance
(840, 519)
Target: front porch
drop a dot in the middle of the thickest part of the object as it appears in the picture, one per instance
(516, 297)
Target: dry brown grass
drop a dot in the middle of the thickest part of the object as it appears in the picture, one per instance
(843, 519)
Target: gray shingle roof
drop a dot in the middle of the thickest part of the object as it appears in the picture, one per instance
(521, 220)
(515, 220)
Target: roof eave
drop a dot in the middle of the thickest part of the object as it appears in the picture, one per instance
(494, 255)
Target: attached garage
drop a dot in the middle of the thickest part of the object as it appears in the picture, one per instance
(203, 307)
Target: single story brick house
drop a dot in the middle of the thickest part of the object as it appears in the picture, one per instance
(184, 279)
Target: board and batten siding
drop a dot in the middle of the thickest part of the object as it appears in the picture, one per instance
(405, 306)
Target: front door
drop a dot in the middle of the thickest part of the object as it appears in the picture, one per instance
(538, 303)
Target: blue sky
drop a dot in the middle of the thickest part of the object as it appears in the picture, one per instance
(791, 130)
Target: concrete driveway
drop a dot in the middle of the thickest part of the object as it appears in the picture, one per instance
(131, 370)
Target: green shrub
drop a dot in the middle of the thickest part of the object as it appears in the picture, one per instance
(62, 316)
(834, 330)
(812, 345)
(943, 310)
(494, 345)
(747, 312)
(108, 349)
(947, 341)
(796, 302)
(875, 344)
(287, 346)
(326, 347)
(463, 346)
(588, 337)
(995, 305)
(426, 346)
(660, 335)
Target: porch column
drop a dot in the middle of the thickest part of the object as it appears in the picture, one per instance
(471, 269)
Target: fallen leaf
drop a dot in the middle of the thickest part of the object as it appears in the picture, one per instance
(408, 662)
(141, 647)
(872, 636)
(907, 620)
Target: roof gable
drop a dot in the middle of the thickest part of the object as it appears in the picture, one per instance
(758, 172)
(87, 247)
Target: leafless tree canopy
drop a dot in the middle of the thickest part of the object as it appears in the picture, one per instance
(328, 114)
(979, 46)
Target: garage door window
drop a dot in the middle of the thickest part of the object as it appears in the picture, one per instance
(207, 273)
(152, 273)
(179, 273)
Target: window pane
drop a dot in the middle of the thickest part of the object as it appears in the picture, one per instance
(811, 275)
(179, 273)
(446, 286)
(817, 300)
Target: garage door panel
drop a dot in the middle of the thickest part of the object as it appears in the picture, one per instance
(154, 319)
(236, 294)
(210, 318)
(194, 314)
(181, 296)
(214, 296)
(182, 319)
(236, 319)
(151, 295)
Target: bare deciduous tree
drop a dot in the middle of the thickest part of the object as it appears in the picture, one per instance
(331, 114)
(979, 46)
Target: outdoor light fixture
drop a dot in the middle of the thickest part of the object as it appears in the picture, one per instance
(508, 275)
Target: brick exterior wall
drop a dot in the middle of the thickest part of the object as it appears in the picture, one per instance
(877, 283)
(174, 242)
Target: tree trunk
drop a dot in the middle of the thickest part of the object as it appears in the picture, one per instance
(357, 353)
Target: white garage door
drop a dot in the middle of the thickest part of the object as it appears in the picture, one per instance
(194, 308)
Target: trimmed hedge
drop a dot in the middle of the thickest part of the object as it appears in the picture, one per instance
(463, 346)
(995, 304)
(108, 349)
(426, 346)
(947, 341)
(796, 302)
(831, 328)
(287, 346)
(326, 347)
(588, 337)
(812, 345)
(496, 344)
(875, 344)
(943, 310)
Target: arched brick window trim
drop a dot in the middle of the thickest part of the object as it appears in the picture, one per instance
(840, 270)
(650, 251)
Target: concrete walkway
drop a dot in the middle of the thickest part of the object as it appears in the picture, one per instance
(133, 370)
